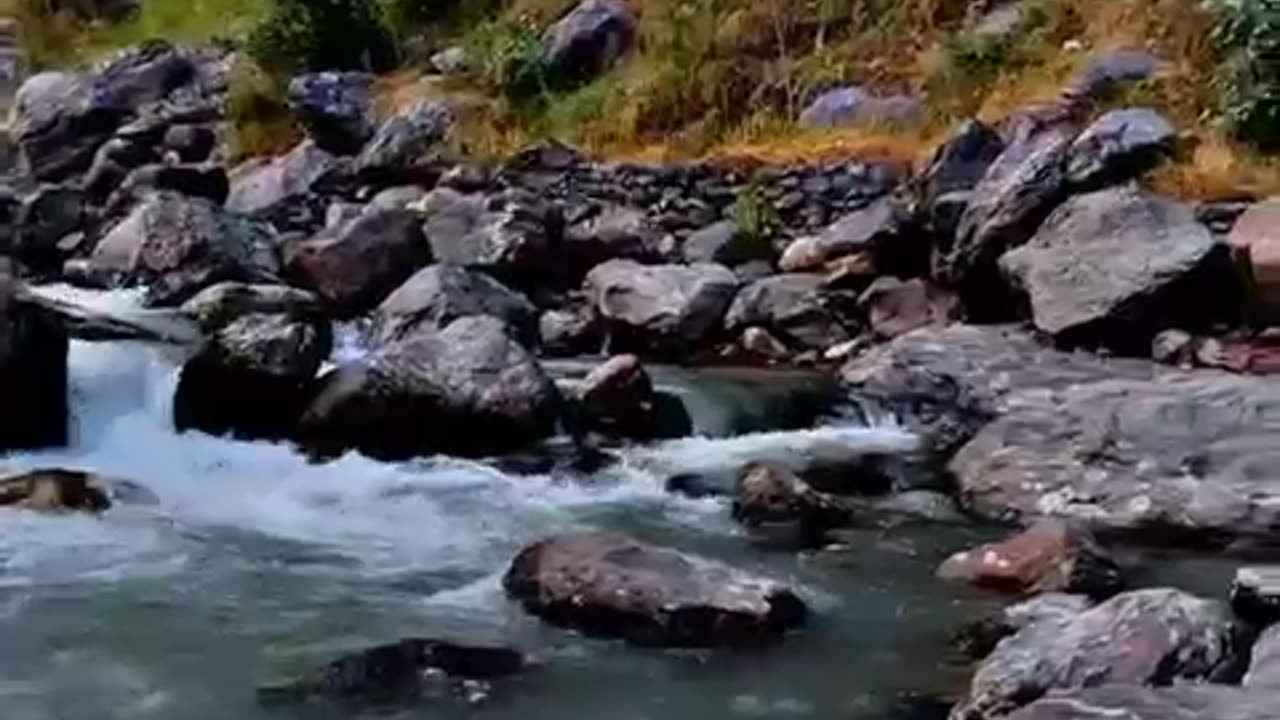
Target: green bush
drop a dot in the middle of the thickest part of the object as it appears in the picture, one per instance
(258, 116)
(311, 35)
(1250, 31)
(510, 56)
(754, 217)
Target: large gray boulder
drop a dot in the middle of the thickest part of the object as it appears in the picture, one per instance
(58, 125)
(260, 185)
(613, 586)
(1119, 146)
(180, 245)
(660, 308)
(855, 106)
(866, 231)
(406, 146)
(437, 295)
(1184, 457)
(335, 108)
(1117, 266)
(509, 238)
(1136, 702)
(33, 372)
(219, 305)
(469, 389)
(589, 39)
(1144, 637)
(797, 308)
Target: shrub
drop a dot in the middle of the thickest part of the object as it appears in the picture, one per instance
(258, 115)
(310, 35)
(510, 60)
(754, 216)
(1250, 31)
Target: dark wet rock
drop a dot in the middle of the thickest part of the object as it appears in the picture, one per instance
(948, 383)
(855, 106)
(960, 163)
(1255, 595)
(252, 378)
(1017, 192)
(589, 39)
(1050, 556)
(895, 307)
(511, 239)
(617, 400)
(1255, 240)
(614, 586)
(572, 330)
(406, 147)
(1135, 702)
(797, 308)
(192, 143)
(978, 638)
(55, 490)
(219, 305)
(469, 389)
(1116, 266)
(142, 74)
(44, 218)
(33, 372)
(354, 267)
(1145, 637)
(861, 231)
(769, 494)
(180, 245)
(1118, 147)
(58, 124)
(660, 308)
(1179, 459)
(201, 181)
(260, 185)
(399, 671)
(723, 243)
(612, 232)
(439, 294)
(334, 108)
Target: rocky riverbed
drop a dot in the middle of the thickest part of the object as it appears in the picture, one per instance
(369, 425)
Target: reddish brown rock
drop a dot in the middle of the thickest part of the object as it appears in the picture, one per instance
(1256, 242)
(1051, 556)
(55, 490)
(770, 493)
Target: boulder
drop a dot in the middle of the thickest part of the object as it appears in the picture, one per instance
(33, 372)
(1145, 637)
(617, 400)
(511, 239)
(334, 108)
(252, 378)
(1264, 661)
(895, 307)
(855, 106)
(1108, 70)
(406, 147)
(660, 308)
(723, 243)
(614, 586)
(1018, 190)
(55, 490)
(770, 494)
(611, 232)
(797, 308)
(261, 185)
(58, 124)
(1184, 458)
(402, 671)
(201, 181)
(398, 197)
(45, 217)
(978, 638)
(1255, 595)
(140, 75)
(763, 344)
(1118, 147)
(354, 267)
(861, 231)
(1135, 702)
(193, 143)
(1117, 266)
(439, 294)
(571, 330)
(1050, 556)
(947, 383)
(219, 305)
(469, 389)
(1255, 239)
(589, 39)
(180, 245)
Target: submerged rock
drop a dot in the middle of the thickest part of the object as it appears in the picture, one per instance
(1145, 637)
(771, 494)
(1050, 556)
(55, 490)
(33, 372)
(399, 671)
(660, 308)
(613, 586)
(439, 294)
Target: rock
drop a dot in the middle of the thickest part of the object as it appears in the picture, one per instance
(797, 308)
(1135, 702)
(192, 143)
(1144, 637)
(334, 107)
(451, 61)
(1255, 595)
(761, 343)
(44, 218)
(58, 124)
(722, 243)
(439, 294)
(612, 232)
(855, 106)
(960, 163)
(1255, 239)
(768, 494)
(140, 75)
(354, 267)
(512, 241)
(1177, 459)
(660, 308)
(1118, 147)
(466, 178)
(948, 383)
(201, 181)
(1116, 266)
(469, 389)
(1050, 556)
(399, 197)
(1173, 347)
(861, 231)
(617, 400)
(570, 331)
(260, 185)
(181, 245)
(978, 638)
(895, 307)
(920, 505)
(33, 372)
(589, 39)
(400, 671)
(406, 147)
(613, 586)
(1264, 663)
(1109, 69)
(55, 490)
(1016, 193)
(219, 305)
(252, 378)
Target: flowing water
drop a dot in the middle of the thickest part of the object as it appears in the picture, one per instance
(256, 564)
